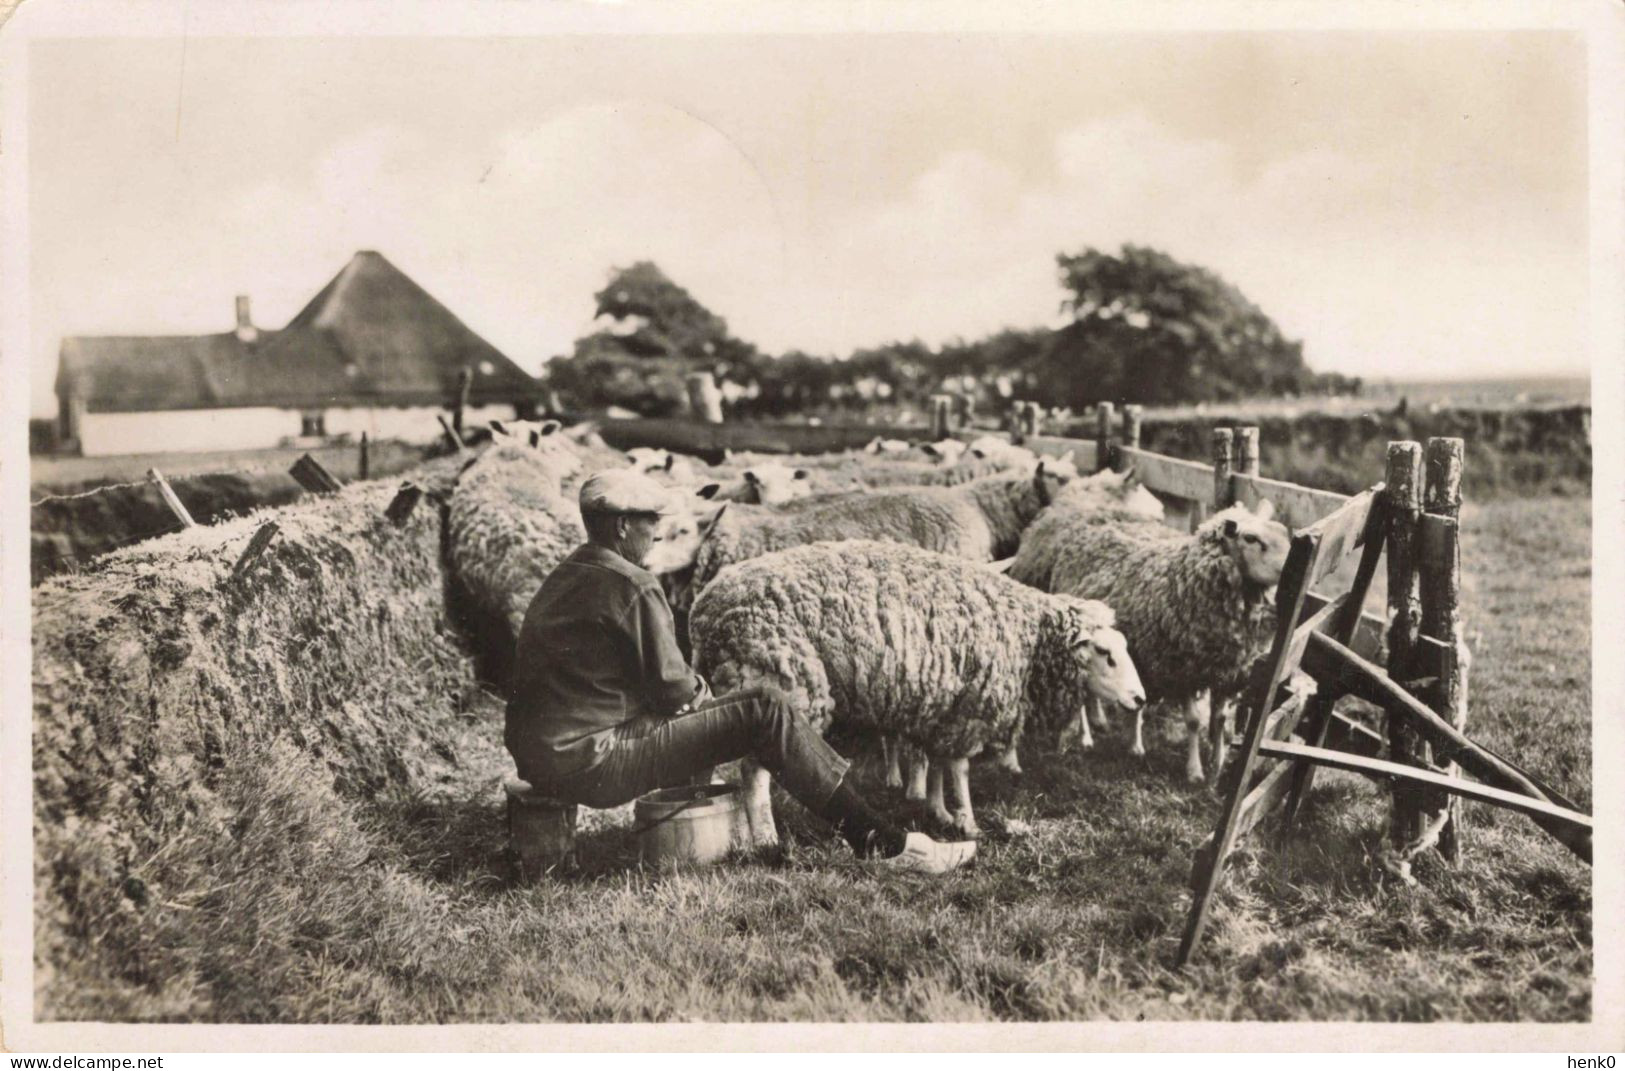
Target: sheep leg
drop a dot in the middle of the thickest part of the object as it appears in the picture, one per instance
(1218, 735)
(1138, 749)
(1197, 716)
(1097, 712)
(1076, 732)
(758, 804)
(894, 760)
(919, 768)
(1010, 757)
(934, 804)
(964, 820)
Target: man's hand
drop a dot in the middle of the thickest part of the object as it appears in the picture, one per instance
(701, 695)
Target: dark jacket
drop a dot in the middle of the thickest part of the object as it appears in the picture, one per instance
(597, 649)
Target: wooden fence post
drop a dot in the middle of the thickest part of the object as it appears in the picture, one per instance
(704, 397)
(1029, 420)
(1247, 451)
(1441, 608)
(1223, 447)
(941, 407)
(465, 382)
(1103, 435)
(1131, 425)
(361, 468)
(451, 432)
(171, 499)
(256, 546)
(1403, 487)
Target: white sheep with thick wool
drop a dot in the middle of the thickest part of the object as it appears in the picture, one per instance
(978, 521)
(896, 639)
(1197, 609)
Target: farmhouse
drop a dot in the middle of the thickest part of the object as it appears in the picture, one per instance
(372, 352)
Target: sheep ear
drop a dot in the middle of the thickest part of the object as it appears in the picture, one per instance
(930, 450)
(671, 459)
(1230, 529)
(708, 524)
(550, 427)
(709, 490)
(751, 477)
(801, 474)
(1265, 510)
(499, 427)
(536, 437)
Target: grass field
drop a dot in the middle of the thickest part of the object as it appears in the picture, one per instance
(402, 908)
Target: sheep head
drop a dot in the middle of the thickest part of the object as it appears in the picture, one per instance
(681, 533)
(543, 437)
(1255, 542)
(530, 432)
(648, 458)
(773, 484)
(1086, 651)
(1121, 490)
(1112, 675)
(945, 452)
(1052, 474)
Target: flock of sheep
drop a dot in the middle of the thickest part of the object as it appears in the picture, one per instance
(950, 598)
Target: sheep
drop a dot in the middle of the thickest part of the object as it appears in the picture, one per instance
(1196, 609)
(980, 520)
(944, 452)
(878, 474)
(846, 471)
(509, 524)
(524, 431)
(991, 446)
(774, 484)
(1103, 496)
(673, 469)
(878, 445)
(513, 517)
(903, 640)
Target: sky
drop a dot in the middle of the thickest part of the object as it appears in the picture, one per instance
(1410, 205)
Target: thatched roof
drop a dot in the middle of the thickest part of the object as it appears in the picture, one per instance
(371, 336)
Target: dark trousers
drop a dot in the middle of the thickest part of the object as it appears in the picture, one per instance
(758, 723)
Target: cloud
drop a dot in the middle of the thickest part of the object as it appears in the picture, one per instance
(1360, 255)
(1323, 240)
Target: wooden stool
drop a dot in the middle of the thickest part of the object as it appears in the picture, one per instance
(541, 829)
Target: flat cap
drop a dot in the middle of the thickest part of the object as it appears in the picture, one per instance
(624, 491)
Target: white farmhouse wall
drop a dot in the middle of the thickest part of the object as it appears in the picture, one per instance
(185, 429)
(260, 428)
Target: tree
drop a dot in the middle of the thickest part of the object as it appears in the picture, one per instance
(657, 335)
(654, 317)
(1146, 327)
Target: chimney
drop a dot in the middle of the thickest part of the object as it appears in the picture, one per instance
(245, 326)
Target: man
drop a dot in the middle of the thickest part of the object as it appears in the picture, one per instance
(604, 709)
